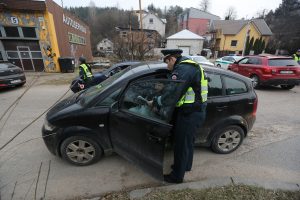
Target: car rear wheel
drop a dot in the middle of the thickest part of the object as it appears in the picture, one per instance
(81, 150)
(255, 80)
(287, 87)
(218, 65)
(228, 139)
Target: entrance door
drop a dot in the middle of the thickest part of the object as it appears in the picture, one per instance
(25, 58)
(139, 132)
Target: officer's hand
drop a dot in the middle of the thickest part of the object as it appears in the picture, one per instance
(150, 103)
(81, 86)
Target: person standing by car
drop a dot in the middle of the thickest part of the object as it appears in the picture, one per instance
(190, 110)
(296, 56)
(85, 73)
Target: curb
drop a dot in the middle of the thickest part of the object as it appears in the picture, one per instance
(219, 182)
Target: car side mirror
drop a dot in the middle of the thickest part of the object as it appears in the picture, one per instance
(114, 106)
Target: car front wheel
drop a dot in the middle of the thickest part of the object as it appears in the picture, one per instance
(287, 87)
(81, 150)
(228, 139)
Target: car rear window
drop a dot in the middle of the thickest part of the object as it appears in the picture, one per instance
(282, 62)
(234, 86)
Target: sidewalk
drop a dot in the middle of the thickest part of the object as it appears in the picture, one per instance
(219, 182)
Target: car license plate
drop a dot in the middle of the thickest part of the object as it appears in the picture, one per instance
(286, 72)
(15, 81)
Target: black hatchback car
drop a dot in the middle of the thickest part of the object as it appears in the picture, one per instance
(112, 117)
(11, 75)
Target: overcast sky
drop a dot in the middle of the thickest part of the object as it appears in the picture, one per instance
(245, 8)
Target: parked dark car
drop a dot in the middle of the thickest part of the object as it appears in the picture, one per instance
(101, 76)
(11, 75)
(112, 117)
(269, 70)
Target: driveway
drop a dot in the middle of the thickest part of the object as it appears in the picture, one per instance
(29, 171)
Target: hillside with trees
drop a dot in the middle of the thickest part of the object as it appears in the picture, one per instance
(285, 25)
(102, 21)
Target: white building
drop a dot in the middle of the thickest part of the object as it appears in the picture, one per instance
(153, 22)
(105, 46)
(189, 42)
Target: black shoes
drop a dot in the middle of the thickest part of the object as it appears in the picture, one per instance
(170, 179)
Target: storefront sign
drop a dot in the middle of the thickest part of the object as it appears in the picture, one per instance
(67, 20)
(14, 20)
(73, 38)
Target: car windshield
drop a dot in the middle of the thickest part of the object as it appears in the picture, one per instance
(88, 95)
(282, 62)
(199, 59)
(5, 65)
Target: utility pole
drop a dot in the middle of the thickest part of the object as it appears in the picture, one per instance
(141, 16)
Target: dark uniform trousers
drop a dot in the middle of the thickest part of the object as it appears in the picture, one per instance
(185, 127)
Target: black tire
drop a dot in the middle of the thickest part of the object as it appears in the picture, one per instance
(256, 81)
(228, 139)
(287, 87)
(81, 150)
(218, 65)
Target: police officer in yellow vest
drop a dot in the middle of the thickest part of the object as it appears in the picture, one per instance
(297, 56)
(190, 111)
(85, 73)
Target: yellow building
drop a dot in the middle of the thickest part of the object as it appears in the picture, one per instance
(229, 36)
(35, 35)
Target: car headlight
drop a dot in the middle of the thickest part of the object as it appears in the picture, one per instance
(48, 126)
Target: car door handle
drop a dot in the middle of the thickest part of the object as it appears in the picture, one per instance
(221, 108)
(154, 138)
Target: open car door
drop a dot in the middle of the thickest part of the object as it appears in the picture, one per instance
(139, 132)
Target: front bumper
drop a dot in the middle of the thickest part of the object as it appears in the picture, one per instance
(51, 139)
(12, 81)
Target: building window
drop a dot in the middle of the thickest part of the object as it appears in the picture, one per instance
(233, 43)
(1, 57)
(29, 32)
(124, 33)
(11, 31)
(151, 20)
(12, 54)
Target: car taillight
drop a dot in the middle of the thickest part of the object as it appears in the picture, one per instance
(266, 70)
(255, 107)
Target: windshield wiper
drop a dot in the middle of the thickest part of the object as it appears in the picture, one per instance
(290, 65)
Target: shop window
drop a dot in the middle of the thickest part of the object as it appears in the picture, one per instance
(12, 54)
(25, 54)
(36, 55)
(29, 32)
(11, 32)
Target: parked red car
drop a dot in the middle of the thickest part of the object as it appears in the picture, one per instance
(269, 70)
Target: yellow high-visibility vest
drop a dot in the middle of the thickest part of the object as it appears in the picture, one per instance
(189, 96)
(87, 73)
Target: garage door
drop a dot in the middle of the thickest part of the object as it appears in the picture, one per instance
(185, 50)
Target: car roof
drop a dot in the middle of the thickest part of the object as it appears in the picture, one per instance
(151, 67)
(270, 56)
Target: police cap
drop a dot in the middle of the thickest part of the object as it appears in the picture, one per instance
(171, 52)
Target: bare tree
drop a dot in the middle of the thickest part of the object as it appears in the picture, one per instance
(261, 14)
(204, 5)
(230, 13)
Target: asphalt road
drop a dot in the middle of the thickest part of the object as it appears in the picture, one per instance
(270, 152)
